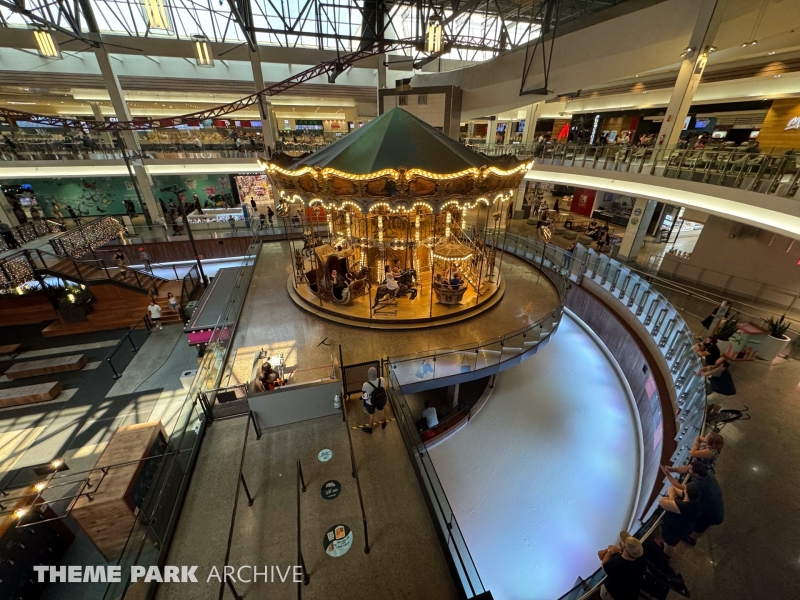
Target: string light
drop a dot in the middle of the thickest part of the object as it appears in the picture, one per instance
(347, 221)
(380, 229)
(79, 242)
(416, 230)
(448, 218)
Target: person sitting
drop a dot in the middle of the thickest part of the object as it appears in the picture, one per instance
(455, 281)
(438, 281)
(338, 283)
(591, 228)
(396, 269)
(391, 282)
(720, 382)
(429, 418)
(269, 378)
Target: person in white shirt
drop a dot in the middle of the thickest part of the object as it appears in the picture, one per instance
(374, 398)
(155, 313)
(430, 416)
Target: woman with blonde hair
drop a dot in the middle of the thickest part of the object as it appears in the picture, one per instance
(705, 450)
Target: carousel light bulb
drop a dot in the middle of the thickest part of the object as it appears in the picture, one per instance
(463, 218)
(448, 218)
(380, 229)
(39, 487)
(416, 229)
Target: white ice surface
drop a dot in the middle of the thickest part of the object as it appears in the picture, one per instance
(546, 473)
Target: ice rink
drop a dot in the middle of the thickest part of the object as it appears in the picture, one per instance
(547, 472)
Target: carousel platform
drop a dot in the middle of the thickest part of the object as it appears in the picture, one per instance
(420, 313)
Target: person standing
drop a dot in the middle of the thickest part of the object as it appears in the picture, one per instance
(374, 398)
(144, 256)
(270, 214)
(173, 302)
(20, 214)
(253, 204)
(430, 416)
(75, 218)
(122, 264)
(35, 214)
(624, 565)
(155, 313)
(57, 214)
(232, 223)
(712, 506)
(8, 236)
(681, 509)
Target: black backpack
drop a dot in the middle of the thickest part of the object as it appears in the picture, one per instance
(378, 395)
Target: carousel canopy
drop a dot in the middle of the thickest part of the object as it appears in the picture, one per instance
(396, 138)
(450, 251)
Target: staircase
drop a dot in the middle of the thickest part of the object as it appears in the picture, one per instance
(168, 317)
(90, 272)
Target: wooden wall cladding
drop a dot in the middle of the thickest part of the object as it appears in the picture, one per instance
(773, 132)
(23, 310)
(182, 250)
(646, 382)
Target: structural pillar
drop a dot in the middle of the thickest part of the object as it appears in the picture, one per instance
(381, 80)
(491, 132)
(531, 115)
(641, 215)
(268, 123)
(97, 113)
(691, 71)
(129, 138)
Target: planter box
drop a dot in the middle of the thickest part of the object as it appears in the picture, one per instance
(771, 347)
(74, 314)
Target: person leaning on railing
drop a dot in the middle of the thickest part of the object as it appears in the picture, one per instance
(624, 565)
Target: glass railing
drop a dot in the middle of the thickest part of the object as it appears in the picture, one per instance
(68, 144)
(775, 173)
(444, 517)
(660, 319)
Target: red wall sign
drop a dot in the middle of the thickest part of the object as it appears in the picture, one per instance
(583, 201)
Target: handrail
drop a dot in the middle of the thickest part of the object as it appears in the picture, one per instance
(239, 481)
(28, 231)
(354, 473)
(300, 484)
(146, 320)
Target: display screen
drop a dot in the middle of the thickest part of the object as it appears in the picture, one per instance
(701, 123)
(308, 125)
(754, 134)
(686, 122)
(501, 127)
(719, 134)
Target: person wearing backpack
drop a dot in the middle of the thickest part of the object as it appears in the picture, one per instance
(374, 398)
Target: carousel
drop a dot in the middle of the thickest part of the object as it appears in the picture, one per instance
(401, 226)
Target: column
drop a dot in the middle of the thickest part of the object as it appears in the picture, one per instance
(531, 115)
(491, 132)
(268, 124)
(692, 67)
(381, 81)
(637, 228)
(129, 138)
(97, 113)
(7, 215)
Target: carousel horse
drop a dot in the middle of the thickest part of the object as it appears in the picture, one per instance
(407, 282)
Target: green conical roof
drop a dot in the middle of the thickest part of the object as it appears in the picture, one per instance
(395, 139)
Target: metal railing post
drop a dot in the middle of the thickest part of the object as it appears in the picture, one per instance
(246, 490)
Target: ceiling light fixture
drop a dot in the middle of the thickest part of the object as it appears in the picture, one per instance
(202, 51)
(688, 53)
(433, 38)
(156, 15)
(771, 53)
(46, 44)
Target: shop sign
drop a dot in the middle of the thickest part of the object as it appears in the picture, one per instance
(330, 489)
(794, 123)
(338, 540)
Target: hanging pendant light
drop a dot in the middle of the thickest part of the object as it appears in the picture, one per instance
(433, 38)
(156, 15)
(202, 51)
(46, 44)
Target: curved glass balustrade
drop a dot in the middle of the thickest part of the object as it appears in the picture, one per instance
(657, 316)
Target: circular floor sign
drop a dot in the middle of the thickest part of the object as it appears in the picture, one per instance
(338, 540)
(325, 455)
(331, 489)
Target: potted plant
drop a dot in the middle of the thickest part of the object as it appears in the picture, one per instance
(777, 340)
(724, 333)
(71, 301)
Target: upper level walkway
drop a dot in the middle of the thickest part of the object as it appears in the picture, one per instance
(758, 189)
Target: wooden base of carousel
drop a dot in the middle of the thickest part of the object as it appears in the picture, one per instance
(419, 313)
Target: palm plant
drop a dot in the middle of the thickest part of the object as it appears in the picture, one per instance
(727, 329)
(777, 327)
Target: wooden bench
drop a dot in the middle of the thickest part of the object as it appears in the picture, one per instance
(46, 366)
(9, 349)
(29, 394)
